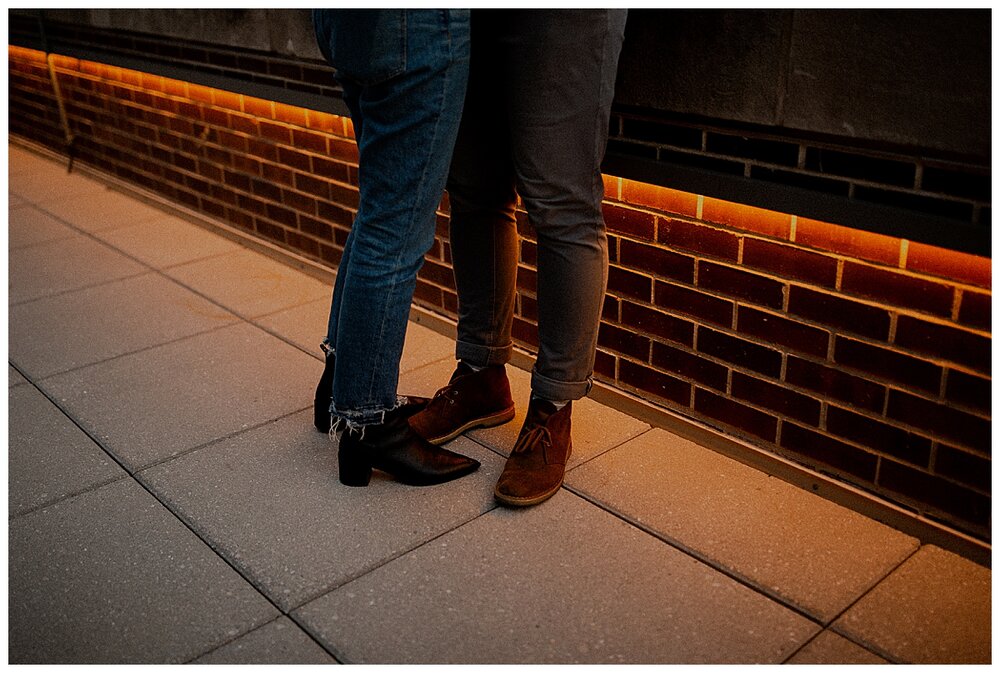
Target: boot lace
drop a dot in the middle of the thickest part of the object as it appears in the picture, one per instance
(527, 441)
(445, 395)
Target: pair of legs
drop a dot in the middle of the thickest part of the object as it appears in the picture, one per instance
(404, 75)
(535, 124)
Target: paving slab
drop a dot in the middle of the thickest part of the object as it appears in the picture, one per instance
(564, 582)
(830, 648)
(55, 334)
(49, 183)
(148, 406)
(66, 264)
(249, 283)
(111, 576)
(935, 609)
(305, 326)
(28, 225)
(270, 501)
(97, 210)
(16, 201)
(48, 456)
(816, 555)
(166, 241)
(14, 377)
(596, 428)
(278, 642)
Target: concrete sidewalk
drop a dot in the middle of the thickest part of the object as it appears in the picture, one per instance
(170, 501)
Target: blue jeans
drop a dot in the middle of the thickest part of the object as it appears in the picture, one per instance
(536, 125)
(404, 75)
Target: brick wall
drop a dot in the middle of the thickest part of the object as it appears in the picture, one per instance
(863, 356)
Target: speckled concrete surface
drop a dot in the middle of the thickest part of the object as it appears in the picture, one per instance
(232, 541)
(111, 576)
(816, 555)
(936, 609)
(278, 642)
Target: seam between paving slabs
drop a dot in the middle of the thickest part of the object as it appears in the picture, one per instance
(166, 506)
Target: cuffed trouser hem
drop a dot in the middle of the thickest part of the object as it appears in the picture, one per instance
(550, 389)
(483, 356)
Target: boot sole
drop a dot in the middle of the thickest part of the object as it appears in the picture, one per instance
(514, 501)
(485, 422)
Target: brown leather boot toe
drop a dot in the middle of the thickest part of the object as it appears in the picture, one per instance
(535, 469)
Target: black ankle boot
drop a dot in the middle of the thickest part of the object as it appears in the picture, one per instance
(324, 391)
(393, 447)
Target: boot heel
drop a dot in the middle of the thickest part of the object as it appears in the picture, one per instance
(354, 469)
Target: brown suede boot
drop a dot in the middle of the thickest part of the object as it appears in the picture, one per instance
(470, 400)
(537, 464)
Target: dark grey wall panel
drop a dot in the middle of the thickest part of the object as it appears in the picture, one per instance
(907, 77)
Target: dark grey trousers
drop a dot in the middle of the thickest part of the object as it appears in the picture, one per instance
(535, 124)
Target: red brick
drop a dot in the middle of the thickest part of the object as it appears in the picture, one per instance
(950, 264)
(437, 274)
(835, 384)
(887, 364)
(976, 310)
(525, 332)
(689, 365)
(265, 190)
(276, 132)
(345, 195)
(233, 141)
(656, 261)
(937, 497)
(776, 398)
(332, 212)
(944, 341)
(316, 228)
(819, 447)
(848, 241)
(704, 240)
(635, 223)
(748, 218)
(897, 289)
(427, 293)
(659, 198)
(300, 203)
(789, 262)
(628, 284)
(970, 391)
(879, 435)
(285, 216)
(527, 308)
(781, 331)
(527, 279)
(332, 170)
(258, 107)
(312, 185)
(263, 149)
(314, 142)
(344, 150)
(678, 299)
(611, 310)
(604, 365)
(941, 420)
(655, 383)
(740, 284)
(736, 415)
(290, 114)
(623, 341)
(294, 159)
(277, 174)
(843, 314)
(739, 352)
(657, 323)
(967, 468)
